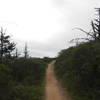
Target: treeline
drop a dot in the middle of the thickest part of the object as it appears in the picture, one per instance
(78, 67)
(8, 48)
(21, 77)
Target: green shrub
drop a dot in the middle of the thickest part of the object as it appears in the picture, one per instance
(22, 79)
(79, 70)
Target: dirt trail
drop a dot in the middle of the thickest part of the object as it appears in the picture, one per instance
(53, 91)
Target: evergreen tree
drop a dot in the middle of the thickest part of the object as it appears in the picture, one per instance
(6, 46)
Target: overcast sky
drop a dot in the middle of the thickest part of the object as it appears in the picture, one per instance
(46, 25)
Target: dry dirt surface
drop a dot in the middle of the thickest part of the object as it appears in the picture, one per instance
(53, 90)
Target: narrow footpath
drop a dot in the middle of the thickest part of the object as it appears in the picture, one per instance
(52, 89)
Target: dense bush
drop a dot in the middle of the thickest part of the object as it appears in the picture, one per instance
(5, 78)
(79, 70)
(22, 79)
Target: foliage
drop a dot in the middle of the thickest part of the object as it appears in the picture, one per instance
(79, 70)
(22, 79)
(6, 46)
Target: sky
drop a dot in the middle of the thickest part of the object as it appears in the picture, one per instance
(46, 25)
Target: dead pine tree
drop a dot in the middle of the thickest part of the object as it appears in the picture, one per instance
(17, 54)
(26, 51)
(96, 26)
(94, 33)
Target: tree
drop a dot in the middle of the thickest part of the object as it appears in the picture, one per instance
(16, 53)
(6, 46)
(96, 26)
(26, 52)
(94, 34)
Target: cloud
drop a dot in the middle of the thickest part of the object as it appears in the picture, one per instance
(46, 25)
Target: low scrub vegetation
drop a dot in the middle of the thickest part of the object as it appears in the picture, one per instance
(79, 70)
(22, 79)
(78, 67)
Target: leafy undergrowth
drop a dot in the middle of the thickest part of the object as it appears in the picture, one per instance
(22, 79)
(79, 70)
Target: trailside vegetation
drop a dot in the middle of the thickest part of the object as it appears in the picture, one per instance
(79, 70)
(78, 67)
(22, 79)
